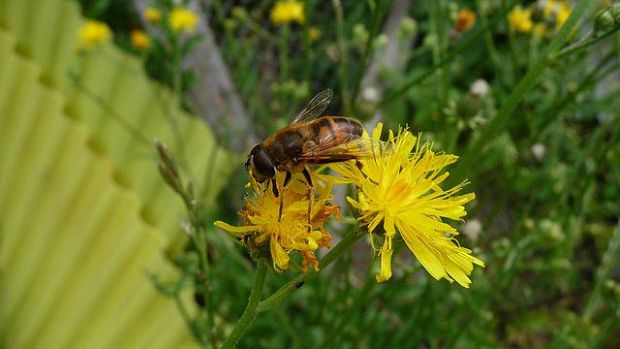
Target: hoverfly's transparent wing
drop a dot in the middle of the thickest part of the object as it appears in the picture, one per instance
(338, 150)
(315, 107)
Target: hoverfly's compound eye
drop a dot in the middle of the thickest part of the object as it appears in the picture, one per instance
(263, 165)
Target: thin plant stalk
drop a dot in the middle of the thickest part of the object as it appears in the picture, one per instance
(342, 56)
(251, 310)
(472, 38)
(499, 122)
(283, 292)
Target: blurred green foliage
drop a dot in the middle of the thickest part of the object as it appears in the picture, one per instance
(536, 119)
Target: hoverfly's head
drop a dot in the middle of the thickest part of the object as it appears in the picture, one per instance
(259, 164)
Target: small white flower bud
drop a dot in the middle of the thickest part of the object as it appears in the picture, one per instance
(370, 94)
(472, 229)
(538, 151)
(479, 88)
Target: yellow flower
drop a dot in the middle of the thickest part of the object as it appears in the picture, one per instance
(465, 20)
(183, 20)
(562, 15)
(140, 40)
(284, 12)
(401, 190)
(314, 33)
(521, 20)
(152, 15)
(555, 12)
(94, 33)
(264, 231)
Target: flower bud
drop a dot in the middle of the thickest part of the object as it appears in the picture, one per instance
(165, 157)
(607, 19)
(370, 94)
(230, 24)
(431, 40)
(604, 21)
(239, 12)
(360, 34)
(408, 27)
(551, 230)
(472, 229)
(380, 42)
(538, 151)
(479, 88)
(470, 104)
(168, 169)
(615, 12)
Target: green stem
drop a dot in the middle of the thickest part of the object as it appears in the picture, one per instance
(198, 238)
(256, 28)
(488, 36)
(549, 114)
(251, 310)
(499, 122)
(295, 283)
(342, 59)
(283, 45)
(176, 102)
(583, 45)
(76, 79)
(368, 49)
(607, 266)
(473, 37)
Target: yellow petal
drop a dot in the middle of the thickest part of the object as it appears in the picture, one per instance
(376, 132)
(234, 229)
(386, 261)
(278, 255)
(422, 248)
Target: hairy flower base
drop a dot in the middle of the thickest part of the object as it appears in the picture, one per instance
(402, 191)
(291, 233)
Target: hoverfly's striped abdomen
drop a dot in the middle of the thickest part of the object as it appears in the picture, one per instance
(335, 129)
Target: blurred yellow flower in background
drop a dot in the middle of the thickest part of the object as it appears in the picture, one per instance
(183, 20)
(140, 40)
(520, 20)
(401, 191)
(561, 11)
(465, 20)
(263, 230)
(284, 12)
(93, 33)
(152, 15)
(314, 33)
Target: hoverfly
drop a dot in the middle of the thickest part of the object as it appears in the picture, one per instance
(310, 139)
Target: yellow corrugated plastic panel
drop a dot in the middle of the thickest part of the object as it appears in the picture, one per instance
(83, 212)
(114, 98)
(74, 247)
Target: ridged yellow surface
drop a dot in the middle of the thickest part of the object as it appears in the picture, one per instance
(47, 31)
(83, 212)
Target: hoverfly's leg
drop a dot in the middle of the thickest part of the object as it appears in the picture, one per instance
(274, 187)
(287, 179)
(310, 196)
(359, 165)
